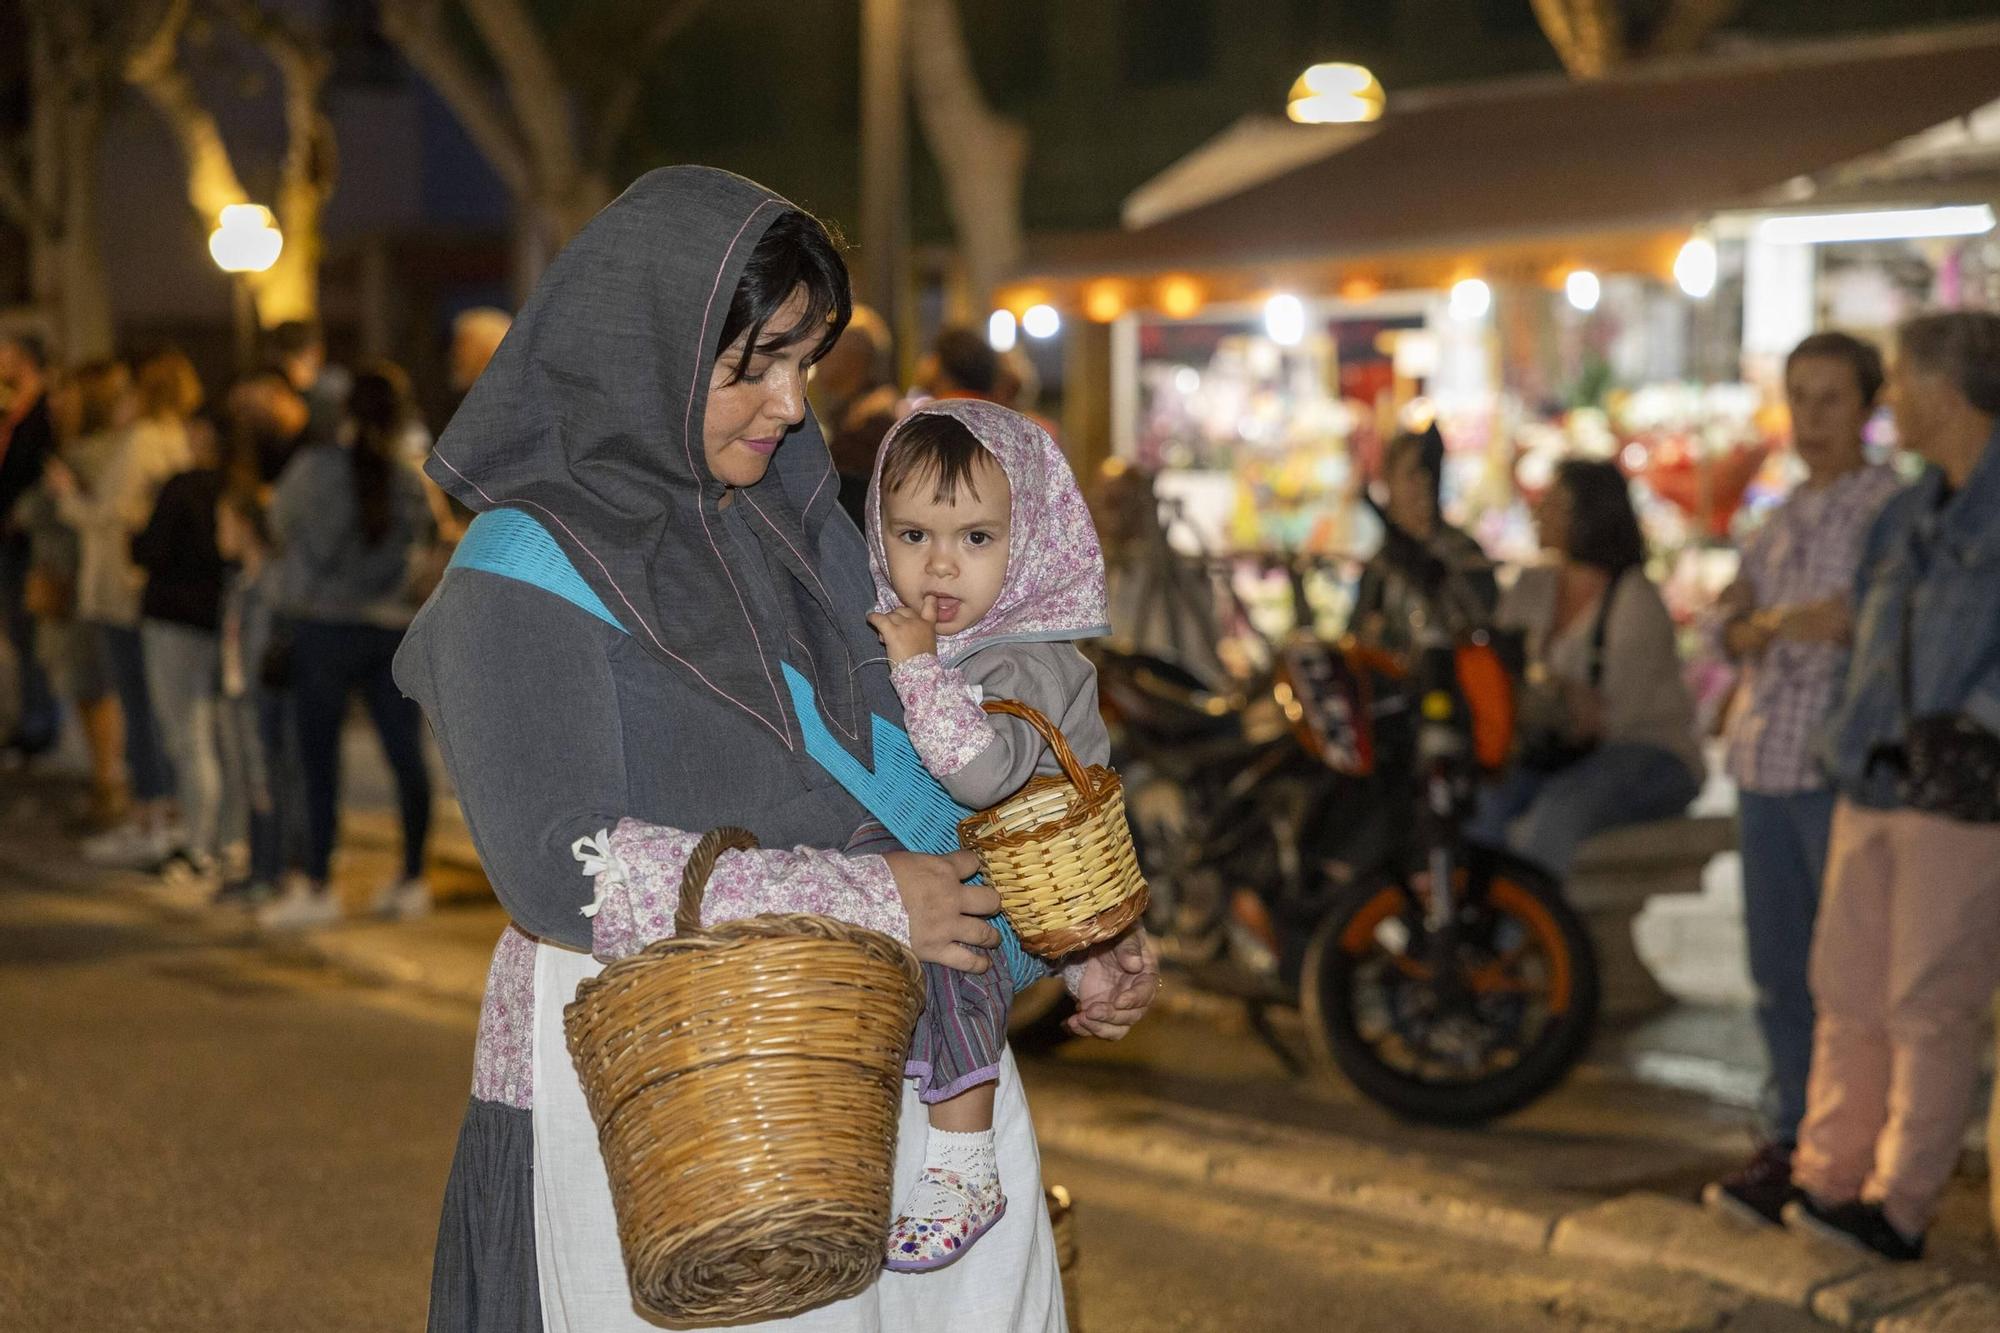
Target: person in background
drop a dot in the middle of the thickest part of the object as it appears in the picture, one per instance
(251, 721)
(180, 621)
(962, 364)
(27, 439)
(853, 394)
(107, 512)
(1388, 606)
(1607, 722)
(89, 408)
(298, 352)
(1786, 622)
(349, 521)
(1907, 951)
(275, 420)
(476, 334)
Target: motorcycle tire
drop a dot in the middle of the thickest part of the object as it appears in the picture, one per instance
(1332, 969)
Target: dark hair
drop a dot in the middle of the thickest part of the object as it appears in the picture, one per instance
(1863, 358)
(1961, 345)
(1603, 527)
(294, 337)
(942, 448)
(969, 359)
(378, 408)
(32, 346)
(795, 251)
(99, 386)
(1428, 446)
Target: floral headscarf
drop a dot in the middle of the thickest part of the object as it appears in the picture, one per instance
(1054, 585)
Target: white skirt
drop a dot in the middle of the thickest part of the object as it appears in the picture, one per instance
(1008, 1283)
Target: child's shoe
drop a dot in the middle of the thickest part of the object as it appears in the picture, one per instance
(957, 1200)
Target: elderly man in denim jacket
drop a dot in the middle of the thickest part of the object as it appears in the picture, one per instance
(1907, 951)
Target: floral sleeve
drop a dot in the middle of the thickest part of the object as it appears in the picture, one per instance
(637, 868)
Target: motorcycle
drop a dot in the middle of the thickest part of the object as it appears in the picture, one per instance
(1303, 840)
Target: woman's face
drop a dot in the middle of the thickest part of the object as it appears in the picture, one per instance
(1552, 517)
(747, 419)
(1412, 497)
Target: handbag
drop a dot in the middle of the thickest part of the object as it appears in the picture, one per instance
(1947, 764)
(1550, 747)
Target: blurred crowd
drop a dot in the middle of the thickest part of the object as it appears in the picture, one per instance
(207, 582)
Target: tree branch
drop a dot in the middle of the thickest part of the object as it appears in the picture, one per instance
(154, 68)
(414, 26)
(535, 88)
(1587, 34)
(310, 160)
(614, 117)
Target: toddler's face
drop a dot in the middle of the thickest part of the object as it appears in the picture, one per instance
(953, 550)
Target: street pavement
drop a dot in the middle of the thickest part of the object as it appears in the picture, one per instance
(205, 1129)
(202, 1136)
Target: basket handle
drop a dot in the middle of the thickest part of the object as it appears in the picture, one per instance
(1072, 767)
(694, 883)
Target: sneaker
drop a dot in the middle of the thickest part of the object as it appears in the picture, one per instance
(128, 847)
(300, 907)
(1758, 1191)
(404, 901)
(946, 1214)
(181, 866)
(244, 892)
(1858, 1226)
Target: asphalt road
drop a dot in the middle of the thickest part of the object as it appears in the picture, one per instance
(194, 1136)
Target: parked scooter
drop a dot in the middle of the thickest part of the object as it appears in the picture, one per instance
(1303, 840)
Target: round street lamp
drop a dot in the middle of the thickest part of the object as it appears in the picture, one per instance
(246, 240)
(1336, 95)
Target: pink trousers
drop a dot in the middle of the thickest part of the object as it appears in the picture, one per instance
(1904, 964)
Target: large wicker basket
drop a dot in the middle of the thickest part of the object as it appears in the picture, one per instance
(1059, 851)
(746, 1082)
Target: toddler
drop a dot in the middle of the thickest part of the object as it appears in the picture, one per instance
(986, 570)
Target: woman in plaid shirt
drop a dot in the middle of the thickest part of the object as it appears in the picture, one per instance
(1787, 623)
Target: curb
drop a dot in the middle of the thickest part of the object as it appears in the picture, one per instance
(1636, 1230)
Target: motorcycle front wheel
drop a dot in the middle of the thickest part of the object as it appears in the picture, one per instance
(1455, 1035)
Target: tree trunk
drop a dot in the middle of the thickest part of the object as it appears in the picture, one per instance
(84, 324)
(982, 156)
(1588, 35)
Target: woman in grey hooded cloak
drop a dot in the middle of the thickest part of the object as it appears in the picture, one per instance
(623, 634)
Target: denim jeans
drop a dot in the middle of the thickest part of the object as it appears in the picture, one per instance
(1784, 861)
(1547, 816)
(41, 716)
(330, 661)
(147, 766)
(184, 682)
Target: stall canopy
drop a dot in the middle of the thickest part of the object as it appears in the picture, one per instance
(1531, 167)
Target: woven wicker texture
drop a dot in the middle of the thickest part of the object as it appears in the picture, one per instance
(1059, 850)
(746, 1082)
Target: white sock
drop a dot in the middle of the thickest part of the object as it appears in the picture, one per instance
(970, 1155)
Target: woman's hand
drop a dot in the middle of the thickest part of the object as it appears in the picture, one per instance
(1119, 983)
(60, 481)
(946, 914)
(906, 633)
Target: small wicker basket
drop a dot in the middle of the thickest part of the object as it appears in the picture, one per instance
(1059, 851)
(746, 1083)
